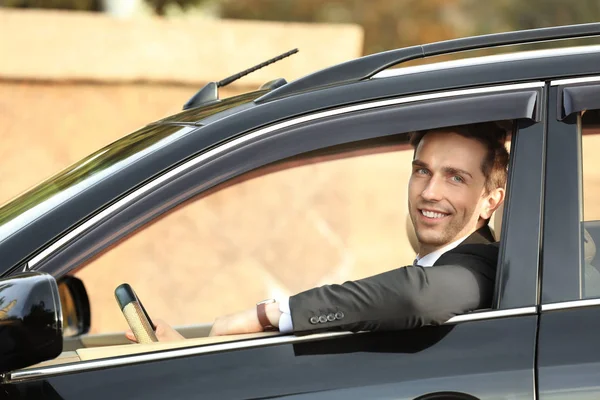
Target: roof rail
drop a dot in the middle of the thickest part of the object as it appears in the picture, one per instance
(367, 66)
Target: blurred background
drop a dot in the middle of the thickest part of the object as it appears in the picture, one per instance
(75, 75)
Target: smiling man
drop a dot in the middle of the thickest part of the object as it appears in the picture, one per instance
(458, 180)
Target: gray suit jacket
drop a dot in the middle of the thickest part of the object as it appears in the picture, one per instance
(461, 280)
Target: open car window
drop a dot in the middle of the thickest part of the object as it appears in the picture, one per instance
(590, 224)
(276, 231)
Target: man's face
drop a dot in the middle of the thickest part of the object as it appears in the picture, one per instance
(446, 190)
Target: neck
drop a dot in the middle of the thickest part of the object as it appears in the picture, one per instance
(425, 249)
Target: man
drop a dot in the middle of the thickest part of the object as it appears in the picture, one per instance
(457, 182)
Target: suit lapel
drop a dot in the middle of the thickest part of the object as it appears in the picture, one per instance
(481, 236)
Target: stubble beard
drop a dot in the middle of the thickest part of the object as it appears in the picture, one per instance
(433, 239)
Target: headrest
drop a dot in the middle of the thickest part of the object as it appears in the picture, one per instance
(589, 247)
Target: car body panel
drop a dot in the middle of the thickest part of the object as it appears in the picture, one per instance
(569, 354)
(402, 365)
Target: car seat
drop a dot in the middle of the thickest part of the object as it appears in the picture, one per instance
(591, 275)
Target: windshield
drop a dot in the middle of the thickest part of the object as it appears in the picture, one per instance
(37, 201)
(34, 203)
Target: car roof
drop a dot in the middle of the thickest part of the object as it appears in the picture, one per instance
(490, 59)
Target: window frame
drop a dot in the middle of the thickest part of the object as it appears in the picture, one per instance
(562, 285)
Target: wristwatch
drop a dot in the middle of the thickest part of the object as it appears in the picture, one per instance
(262, 315)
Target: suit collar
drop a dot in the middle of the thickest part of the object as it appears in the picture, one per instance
(481, 236)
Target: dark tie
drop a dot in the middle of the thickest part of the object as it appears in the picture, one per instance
(416, 261)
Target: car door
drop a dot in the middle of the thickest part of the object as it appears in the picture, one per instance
(569, 350)
(484, 354)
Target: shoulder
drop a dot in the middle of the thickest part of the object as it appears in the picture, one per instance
(486, 250)
(481, 257)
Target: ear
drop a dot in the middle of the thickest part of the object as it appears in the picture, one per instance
(491, 202)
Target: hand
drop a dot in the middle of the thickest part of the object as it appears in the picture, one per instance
(244, 321)
(164, 332)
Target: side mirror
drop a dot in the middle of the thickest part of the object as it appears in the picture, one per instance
(75, 306)
(30, 320)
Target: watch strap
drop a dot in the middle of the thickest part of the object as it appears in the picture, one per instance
(262, 316)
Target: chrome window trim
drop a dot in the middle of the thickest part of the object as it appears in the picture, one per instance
(565, 305)
(483, 60)
(260, 132)
(572, 81)
(493, 314)
(46, 372)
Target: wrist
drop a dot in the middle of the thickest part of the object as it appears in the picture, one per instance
(273, 313)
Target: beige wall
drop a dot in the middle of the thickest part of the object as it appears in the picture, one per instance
(71, 83)
(76, 46)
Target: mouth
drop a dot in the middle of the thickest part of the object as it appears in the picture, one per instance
(432, 215)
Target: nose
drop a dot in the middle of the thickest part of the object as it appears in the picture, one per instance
(433, 190)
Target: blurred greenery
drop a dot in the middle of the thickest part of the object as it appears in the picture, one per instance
(160, 6)
(390, 24)
(80, 5)
(387, 24)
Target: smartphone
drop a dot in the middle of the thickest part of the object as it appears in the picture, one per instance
(138, 319)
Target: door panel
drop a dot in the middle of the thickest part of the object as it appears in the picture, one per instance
(486, 359)
(569, 358)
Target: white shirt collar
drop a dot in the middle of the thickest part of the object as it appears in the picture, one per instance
(430, 259)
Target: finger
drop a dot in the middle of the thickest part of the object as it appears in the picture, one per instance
(129, 335)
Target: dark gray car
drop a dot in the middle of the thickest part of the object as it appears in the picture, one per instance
(538, 341)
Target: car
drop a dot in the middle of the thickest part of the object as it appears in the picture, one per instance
(538, 339)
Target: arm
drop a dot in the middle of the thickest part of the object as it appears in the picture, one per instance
(245, 321)
(404, 298)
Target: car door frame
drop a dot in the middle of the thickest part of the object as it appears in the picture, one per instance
(518, 284)
(567, 364)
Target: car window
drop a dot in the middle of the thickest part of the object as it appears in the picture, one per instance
(321, 218)
(275, 231)
(591, 204)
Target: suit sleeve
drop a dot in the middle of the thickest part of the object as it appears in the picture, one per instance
(404, 298)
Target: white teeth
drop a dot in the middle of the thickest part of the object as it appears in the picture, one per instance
(431, 214)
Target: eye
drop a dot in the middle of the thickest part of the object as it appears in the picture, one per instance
(421, 171)
(458, 179)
